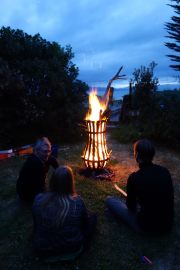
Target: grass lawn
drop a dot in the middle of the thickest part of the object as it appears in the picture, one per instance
(114, 246)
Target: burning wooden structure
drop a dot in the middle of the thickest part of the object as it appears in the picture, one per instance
(96, 154)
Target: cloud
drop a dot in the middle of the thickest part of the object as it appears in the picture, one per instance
(103, 34)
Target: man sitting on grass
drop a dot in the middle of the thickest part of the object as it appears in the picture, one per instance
(150, 197)
(33, 174)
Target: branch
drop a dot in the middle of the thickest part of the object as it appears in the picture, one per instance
(117, 76)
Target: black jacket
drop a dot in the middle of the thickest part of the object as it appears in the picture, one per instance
(32, 177)
(151, 188)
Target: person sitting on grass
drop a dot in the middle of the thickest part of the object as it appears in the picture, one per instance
(62, 224)
(32, 176)
(150, 196)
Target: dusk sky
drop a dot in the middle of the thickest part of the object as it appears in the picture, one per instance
(104, 35)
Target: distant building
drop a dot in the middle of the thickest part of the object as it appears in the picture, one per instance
(127, 110)
(115, 108)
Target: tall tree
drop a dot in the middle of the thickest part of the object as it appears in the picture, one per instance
(144, 88)
(173, 29)
(39, 90)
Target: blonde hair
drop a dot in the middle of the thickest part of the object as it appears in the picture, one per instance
(62, 181)
(61, 186)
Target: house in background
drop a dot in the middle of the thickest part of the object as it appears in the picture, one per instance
(115, 108)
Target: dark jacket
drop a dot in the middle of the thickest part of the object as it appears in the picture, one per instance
(31, 180)
(151, 188)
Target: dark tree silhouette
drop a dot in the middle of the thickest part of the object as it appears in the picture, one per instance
(173, 29)
(144, 87)
(40, 94)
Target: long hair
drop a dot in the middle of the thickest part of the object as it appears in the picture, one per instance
(144, 151)
(61, 186)
(62, 181)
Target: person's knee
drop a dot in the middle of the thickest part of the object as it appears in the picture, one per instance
(108, 200)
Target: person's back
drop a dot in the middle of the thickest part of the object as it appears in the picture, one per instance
(152, 186)
(59, 222)
(150, 196)
(62, 223)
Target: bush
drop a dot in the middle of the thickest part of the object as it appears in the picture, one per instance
(126, 133)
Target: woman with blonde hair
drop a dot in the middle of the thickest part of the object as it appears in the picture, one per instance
(62, 224)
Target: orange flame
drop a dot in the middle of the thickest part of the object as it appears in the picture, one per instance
(96, 107)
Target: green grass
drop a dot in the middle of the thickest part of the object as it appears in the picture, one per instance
(114, 246)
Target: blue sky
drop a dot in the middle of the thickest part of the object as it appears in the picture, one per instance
(104, 34)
